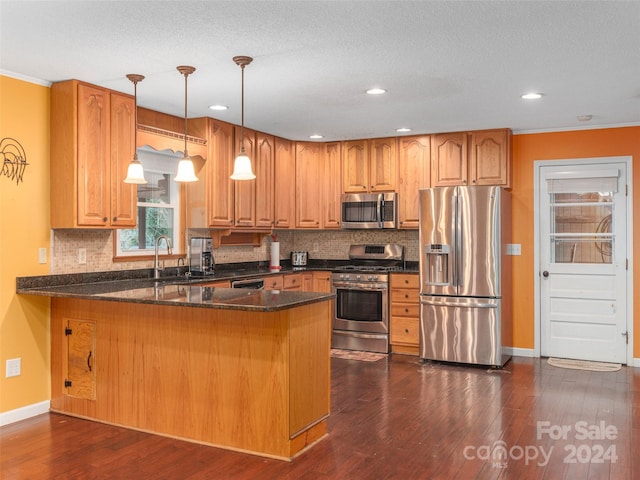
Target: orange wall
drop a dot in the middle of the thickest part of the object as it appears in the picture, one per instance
(527, 148)
(24, 228)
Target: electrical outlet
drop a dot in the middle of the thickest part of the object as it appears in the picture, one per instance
(82, 256)
(13, 367)
(315, 246)
(42, 255)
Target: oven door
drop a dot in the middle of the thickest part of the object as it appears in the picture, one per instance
(361, 308)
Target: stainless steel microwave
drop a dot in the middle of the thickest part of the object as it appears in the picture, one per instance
(369, 210)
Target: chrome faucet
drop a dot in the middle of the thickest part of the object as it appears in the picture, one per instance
(156, 266)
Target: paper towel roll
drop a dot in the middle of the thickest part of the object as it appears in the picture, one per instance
(275, 255)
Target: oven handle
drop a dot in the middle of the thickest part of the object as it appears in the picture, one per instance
(375, 287)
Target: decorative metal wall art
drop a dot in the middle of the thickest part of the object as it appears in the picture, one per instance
(14, 159)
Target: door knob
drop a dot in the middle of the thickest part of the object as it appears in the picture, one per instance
(545, 274)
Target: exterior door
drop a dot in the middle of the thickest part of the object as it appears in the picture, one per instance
(583, 261)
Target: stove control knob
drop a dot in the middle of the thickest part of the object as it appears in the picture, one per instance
(357, 277)
(375, 277)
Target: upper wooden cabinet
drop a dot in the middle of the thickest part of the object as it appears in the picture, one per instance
(369, 165)
(481, 157)
(284, 194)
(210, 200)
(332, 186)
(309, 171)
(217, 201)
(414, 165)
(92, 144)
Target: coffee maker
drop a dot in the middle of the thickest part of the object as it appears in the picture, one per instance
(201, 260)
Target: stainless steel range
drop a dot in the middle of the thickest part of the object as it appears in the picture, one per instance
(361, 313)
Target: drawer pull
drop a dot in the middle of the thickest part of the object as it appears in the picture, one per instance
(406, 295)
(406, 310)
(406, 330)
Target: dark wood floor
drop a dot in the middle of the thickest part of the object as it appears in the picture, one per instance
(391, 419)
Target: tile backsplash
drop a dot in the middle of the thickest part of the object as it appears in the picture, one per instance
(321, 244)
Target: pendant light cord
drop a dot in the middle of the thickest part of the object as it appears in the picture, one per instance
(242, 110)
(186, 155)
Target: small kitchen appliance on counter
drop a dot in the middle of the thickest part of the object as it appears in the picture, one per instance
(299, 259)
(201, 262)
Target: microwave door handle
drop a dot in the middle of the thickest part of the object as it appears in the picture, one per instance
(380, 209)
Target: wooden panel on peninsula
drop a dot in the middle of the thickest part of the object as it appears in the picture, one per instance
(250, 381)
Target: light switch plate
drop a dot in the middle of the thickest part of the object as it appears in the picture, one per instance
(82, 256)
(42, 255)
(514, 249)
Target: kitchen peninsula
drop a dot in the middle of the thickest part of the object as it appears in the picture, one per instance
(246, 370)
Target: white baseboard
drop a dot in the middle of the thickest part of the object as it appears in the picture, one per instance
(24, 412)
(520, 352)
(636, 363)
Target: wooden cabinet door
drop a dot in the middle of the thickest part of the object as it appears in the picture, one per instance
(307, 282)
(355, 166)
(284, 184)
(122, 147)
(81, 358)
(382, 164)
(490, 157)
(414, 164)
(219, 186)
(309, 169)
(245, 190)
(322, 282)
(264, 165)
(449, 159)
(93, 156)
(332, 186)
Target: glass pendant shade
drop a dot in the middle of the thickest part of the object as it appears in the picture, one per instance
(186, 172)
(242, 168)
(135, 173)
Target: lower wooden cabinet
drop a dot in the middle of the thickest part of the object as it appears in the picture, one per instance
(274, 282)
(80, 378)
(322, 282)
(292, 281)
(405, 313)
(219, 283)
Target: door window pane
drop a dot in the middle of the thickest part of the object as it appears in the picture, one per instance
(581, 227)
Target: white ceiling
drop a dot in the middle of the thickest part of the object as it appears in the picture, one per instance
(447, 65)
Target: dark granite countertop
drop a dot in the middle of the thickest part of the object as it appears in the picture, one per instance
(181, 293)
(175, 288)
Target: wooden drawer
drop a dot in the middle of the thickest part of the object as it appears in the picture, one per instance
(405, 280)
(220, 283)
(405, 331)
(405, 310)
(404, 295)
(274, 283)
(293, 282)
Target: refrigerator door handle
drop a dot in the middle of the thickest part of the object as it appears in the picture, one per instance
(459, 302)
(457, 238)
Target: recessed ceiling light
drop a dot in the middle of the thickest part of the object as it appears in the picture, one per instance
(315, 136)
(218, 107)
(376, 91)
(403, 130)
(584, 118)
(531, 96)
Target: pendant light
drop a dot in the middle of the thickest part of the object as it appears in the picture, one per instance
(135, 172)
(242, 165)
(186, 171)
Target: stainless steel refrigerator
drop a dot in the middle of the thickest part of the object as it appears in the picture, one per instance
(465, 274)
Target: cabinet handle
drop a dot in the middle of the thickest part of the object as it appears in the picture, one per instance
(89, 360)
(406, 330)
(406, 295)
(406, 310)
(473, 181)
(105, 219)
(406, 281)
(115, 219)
